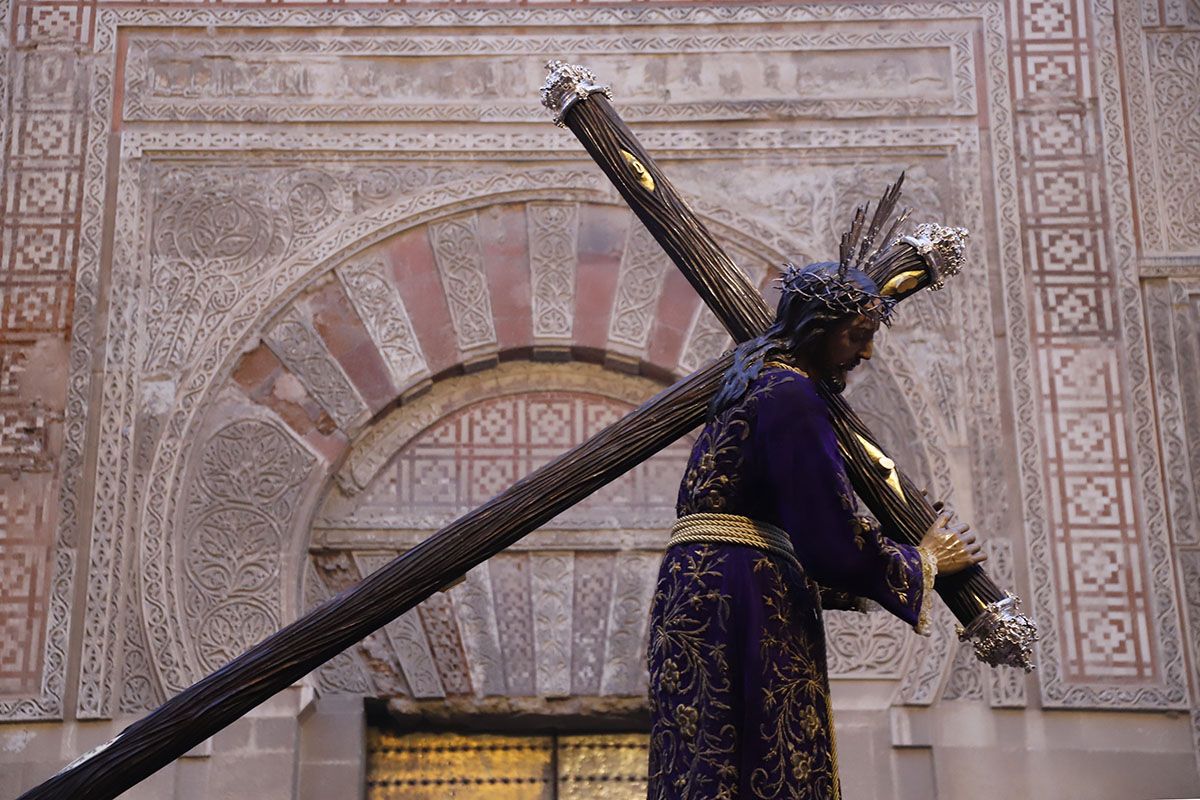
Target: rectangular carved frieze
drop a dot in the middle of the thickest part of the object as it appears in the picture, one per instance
(552, 586)
(1174, 69)
(624, 670)
(456, 249)
(706, 340)
(852, 70)
(644, 267)
(475, 609)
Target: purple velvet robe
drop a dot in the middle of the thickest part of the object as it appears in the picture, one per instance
(739, 694)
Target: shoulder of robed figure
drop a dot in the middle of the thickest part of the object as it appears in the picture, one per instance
(790, 388)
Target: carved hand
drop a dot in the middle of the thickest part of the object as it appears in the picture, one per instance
(951, 545)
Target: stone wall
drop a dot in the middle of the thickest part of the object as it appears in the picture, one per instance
(286, 288)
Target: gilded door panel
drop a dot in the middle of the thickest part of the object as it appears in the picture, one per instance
(602, 767)
(441, 766)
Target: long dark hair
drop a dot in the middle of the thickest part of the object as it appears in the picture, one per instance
(800, 322)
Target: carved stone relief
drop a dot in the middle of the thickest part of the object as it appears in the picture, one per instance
(931, 660)
(218, 230)
(1173, 314)
(476, 612)
(1174, 72)
(552, 584)
(872, 645)
(1159, 616)
(760, 249)
(460, 264)
(593, 591)
(707, 339)
(514, 620)
(381, 308)
(553, 262)
(1173, 342)
(625, 654)
(300, 349)
(644, 266)
(924, 70)
(244, 491)
(210, 231)
(396, 195)
(966, 680)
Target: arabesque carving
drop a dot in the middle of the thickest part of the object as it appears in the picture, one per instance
(244, 492)
(553, 262)
(381, 308)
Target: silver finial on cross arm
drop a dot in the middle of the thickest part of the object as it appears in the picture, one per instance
(567, 84)
(943, 247)
(1002, 635)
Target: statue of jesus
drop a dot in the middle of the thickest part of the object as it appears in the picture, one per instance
(767, 535)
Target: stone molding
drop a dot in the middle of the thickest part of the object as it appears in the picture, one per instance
(284, 79)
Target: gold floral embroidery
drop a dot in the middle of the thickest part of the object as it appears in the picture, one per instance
(685, 718)
(692, 678)
(797, 724)
(712, 478)
(669, 676)
(899, 569)
(694, 744)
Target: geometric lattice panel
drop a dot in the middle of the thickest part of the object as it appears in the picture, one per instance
(472, 455)
(23, 584)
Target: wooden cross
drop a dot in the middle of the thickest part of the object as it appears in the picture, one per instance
(1002, 636)
(988, 616)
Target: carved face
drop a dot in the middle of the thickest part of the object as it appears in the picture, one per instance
(849, 342)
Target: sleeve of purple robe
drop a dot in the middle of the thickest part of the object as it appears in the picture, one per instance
(813, 501)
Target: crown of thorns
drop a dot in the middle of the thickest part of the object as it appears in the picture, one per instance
(841, 289)
(836, 291)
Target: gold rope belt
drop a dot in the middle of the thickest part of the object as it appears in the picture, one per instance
(733, 529)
